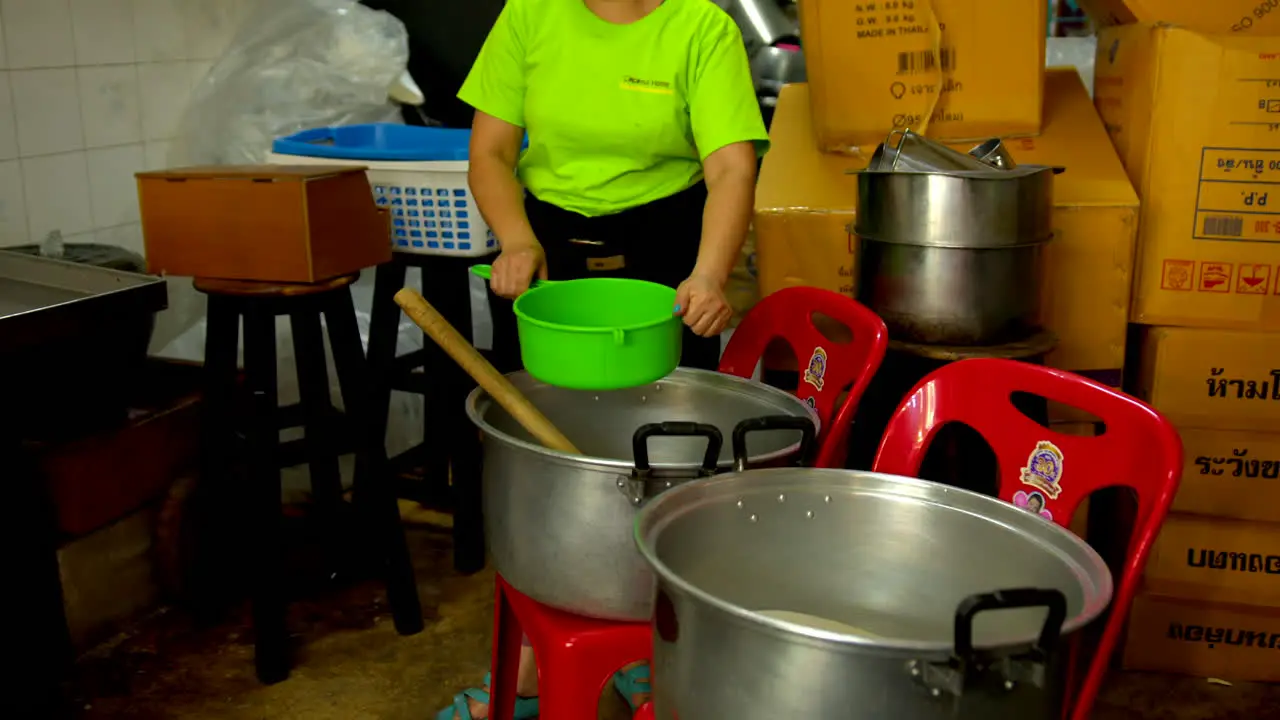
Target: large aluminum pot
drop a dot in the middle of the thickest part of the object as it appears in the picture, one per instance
(559, 526)
(911, 573)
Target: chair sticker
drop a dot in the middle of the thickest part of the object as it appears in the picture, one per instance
(817, 368)
(1044, 469)
(1032, 502)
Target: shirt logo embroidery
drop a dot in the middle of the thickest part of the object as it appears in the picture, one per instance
(657, 87)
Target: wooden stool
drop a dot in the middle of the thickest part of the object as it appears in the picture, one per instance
(260, 303)
(450, 455)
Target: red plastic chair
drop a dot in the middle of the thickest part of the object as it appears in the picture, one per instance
(1139, 450)
(827, 367)
(577, 656)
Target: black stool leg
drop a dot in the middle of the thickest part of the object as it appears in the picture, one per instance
(384, 327)
(265, 505)
(448, 432)
(374, 497)
(218, 447)
(318, 422)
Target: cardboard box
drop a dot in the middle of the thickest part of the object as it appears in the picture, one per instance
(1201, 558)
(1251, 17)
(279, 223)
(1196, 124)
(955, 69)
(1211, 379)
(109, 577)
(1230, 474)
(1232, 642)
(805, 203)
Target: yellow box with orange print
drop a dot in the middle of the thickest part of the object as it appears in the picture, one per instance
(806, 200)
(1197, 125)
(1211, 379)
(1231, 641)
(1230, 474)
(952, 69)
(1199, 558)
(1251, 17)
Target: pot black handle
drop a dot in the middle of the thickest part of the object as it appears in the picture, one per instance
(772, 422)
(710, 459)
(971, 606)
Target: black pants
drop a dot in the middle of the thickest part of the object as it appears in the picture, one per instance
(657, 242)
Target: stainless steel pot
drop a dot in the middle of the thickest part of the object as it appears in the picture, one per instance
(914, 570)
(954, 259)
(952, 296)
(990, 208)
(559, 526)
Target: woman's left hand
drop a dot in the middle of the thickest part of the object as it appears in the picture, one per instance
(701, 302)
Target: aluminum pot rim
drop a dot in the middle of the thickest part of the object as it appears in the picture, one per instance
(476, 415)
(1095, 577)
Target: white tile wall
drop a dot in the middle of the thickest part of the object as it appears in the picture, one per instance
(92, 91)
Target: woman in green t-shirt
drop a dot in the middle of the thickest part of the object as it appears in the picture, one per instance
(644, 133)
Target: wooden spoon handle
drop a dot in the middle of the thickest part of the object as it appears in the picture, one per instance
(493, 382)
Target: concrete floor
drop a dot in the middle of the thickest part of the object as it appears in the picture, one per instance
(351, 665)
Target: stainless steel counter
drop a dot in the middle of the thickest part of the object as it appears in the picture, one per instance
(44, 300)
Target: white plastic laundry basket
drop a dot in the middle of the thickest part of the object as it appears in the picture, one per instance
(418, 173)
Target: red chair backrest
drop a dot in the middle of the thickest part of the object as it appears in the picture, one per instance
(826, 367)
(1139, 449)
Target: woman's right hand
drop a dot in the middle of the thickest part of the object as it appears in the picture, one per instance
(515, 269)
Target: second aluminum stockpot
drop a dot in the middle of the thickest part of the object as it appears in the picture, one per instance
(559, 526)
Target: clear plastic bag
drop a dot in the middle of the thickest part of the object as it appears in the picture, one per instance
(293, 65)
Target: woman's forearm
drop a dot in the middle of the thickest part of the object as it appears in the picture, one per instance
(500, 198)
(727, 216)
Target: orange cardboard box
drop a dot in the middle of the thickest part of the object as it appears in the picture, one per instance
(952, 69)
(1252, 17)
(806, 199)
(1195, 121)
(1230, 474)
(1228, 641)
(1211, 379)
(1217, 560)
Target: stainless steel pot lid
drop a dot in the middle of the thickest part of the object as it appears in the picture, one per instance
(602, 424)
(890, 556)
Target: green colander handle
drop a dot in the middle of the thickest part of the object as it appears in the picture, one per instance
(486, 272)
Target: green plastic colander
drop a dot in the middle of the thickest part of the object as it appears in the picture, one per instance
(597, 333)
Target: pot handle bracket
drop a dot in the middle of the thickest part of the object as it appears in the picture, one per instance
(639, 486)
(808, 435)
(1029, 667)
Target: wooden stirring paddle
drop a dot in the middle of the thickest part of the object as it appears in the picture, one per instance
(484, 373)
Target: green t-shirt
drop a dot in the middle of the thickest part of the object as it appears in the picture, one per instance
(617, 115)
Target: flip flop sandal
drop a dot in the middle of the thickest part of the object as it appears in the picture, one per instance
(633, 682)
(526, 708)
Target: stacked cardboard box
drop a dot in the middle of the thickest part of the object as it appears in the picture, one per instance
(1195, 117)
(953, 69)
(806, 201)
